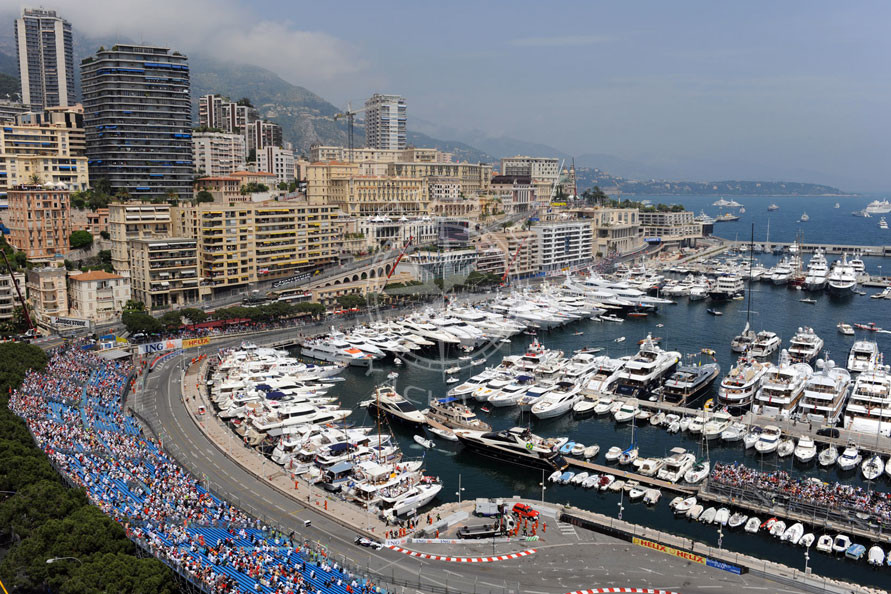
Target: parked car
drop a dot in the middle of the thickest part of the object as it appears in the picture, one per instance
(828, 432)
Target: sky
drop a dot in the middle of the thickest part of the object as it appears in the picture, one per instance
(704, 90)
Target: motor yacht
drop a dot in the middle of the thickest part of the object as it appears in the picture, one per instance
(869, 408)
(842, 278)
(605, 374)
(850, 458)
(557, 401)
(626, 412)
(805, 449)
(864, 356)
(465, 390)
(453, 414)
(805, 345)
(738, 387)
(782, 272)
(734, 432)
(845, 329)
(781, 387)
(517, 446)
(336, 351)
(824, 394)
(766, 344)
(769, 440)
(688, 382)
(817, 272)
(678, 462)
(510, 394)
(645, 370)
(492, 388)
(388, 402)
(714, 427)
(698, 472)
(727, 287)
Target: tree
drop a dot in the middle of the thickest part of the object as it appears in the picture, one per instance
(140, 322)
(245, 102)
(134, 306)
(204, 196)
(194, 315)
(351, 300)
(81, 240)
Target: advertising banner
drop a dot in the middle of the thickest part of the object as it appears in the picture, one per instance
(191, 343)
(669, 550)
(160, 347)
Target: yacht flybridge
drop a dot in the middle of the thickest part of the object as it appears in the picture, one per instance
(645, 370)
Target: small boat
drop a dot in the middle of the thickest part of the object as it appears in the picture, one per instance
(452, 380)
(579, 478)
(876, 556)
(824, 544)
(695, 511)
(849, 458)
(872, 467)
(708, 516)
(808, 300)
(793, 533)
(610, 318)
(806, 450)
(837, 205)
(591, 482)
(555, 476)
(566, 477)
(397, 361)
(698, 473)
(579, 333)
(465, 358)
(486, 409)
(567, 448)
(772, 208)
(606, 481)
(684, 505)
(752, 525)
(714, 312)
(424, 442)
(855, 552)
(479, 361)
(828, 457)
(752, 437)
(841, 543)
(446, 434)
(804, 218)
(635, 490)
(613, 454)
(637, 314)
(657, 419)
(616, 485)
(584, 407)
(768, 524)
(778, 529)
(453, 369)
(737, 520)
(628, 456)
(578, 449)
(620, 339)
(786, 447)
(845, 329)
(807, 540)
(591, 451)
(392, 375)
(723, 516)
(735, 432)
(652, 496)
(504, 341)
(685, 423)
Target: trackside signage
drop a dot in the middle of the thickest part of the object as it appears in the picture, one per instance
(160, 347)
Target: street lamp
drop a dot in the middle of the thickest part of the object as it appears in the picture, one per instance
(542, 485)
(460, 489)
(621, 502)
(52, 560)
(720, 537)
(807, 558)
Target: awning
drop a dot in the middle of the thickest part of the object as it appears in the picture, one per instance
(275, 395)
(113, 354)
(340, 467)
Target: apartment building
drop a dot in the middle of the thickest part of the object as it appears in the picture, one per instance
(45, 58)
(389, 233)
(361, 155)
(88, 220)
(218, 112)
(97, 295)
(534, 167)
(278, 161)
(217, 153)
(134, 220)
(473, 179)
(164, 272)
(47, 293)
(40, 220)
(615, 230)
(385, 122)
(241, 243)
(46, 146)
(563, 244)
(340, 184)
(9, 299)
(9, 110)
(513, 250)
(261, 134)
(515, 192)
(671, 227)
(138, 119)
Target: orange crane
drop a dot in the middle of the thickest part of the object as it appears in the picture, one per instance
(399, 257)
(511, 263)
(18, 291)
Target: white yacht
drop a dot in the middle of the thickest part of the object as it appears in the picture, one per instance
(805, 345)
(817, 271)
(842, 279)
(824, 394)
(714, 427)
(805, 450)
(429, 331)
(678, 462)
(878, 207)
(850, 458)
(864, 356)
(869, 408)
(744, 341)
(517, 445)
(558, 401)
(388, 402)
(781, 387)
(645, 370)
(782, 272)
(603, 380)
(766, 344)
(769, 440)
(726, 287)
(336, 351)
(738, 387)
(466, 389)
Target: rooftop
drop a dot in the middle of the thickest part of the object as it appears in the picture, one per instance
(95, 275)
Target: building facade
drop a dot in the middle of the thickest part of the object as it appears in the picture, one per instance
(473, 179)
(278, 161)
(138, 120)
(218, 153)
(361, 155)
(261, 134)
(45, 58)
(97, 295)
(515, 192)
(515, 252)
(164, 272)
(615, 230)
(670, 227)
(563, 244)
(543, 168)
(47, 293)
(131, 221)
(340, 184)
(46, 148)
(9, 299)
(385, 122)
(40, 220)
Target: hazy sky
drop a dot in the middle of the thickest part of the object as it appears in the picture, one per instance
(794, 90)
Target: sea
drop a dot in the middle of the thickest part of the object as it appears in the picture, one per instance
(685, 327)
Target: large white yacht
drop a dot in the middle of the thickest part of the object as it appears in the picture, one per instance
(336, 350)
(766, 344)
(603, 381)
(842, 279)
(805, 345)
(817, 270)
(781, 387)
(738, 387)
(824, 394)
(517, 445)
(558, 401)
(645, 370)
(878, 207)
(864, 356)
(869, 408)
(388, 402)
(782, 272)
(727, 286)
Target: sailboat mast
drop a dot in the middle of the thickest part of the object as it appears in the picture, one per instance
(749, 284)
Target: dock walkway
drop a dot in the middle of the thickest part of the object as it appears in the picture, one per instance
(626, 476)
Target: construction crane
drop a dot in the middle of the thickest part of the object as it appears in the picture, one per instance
(349, 114)
(18, 291)
(399, 258)
(510, 264)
